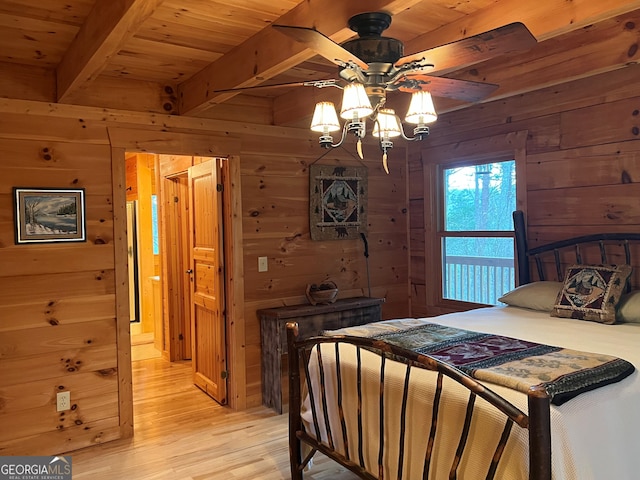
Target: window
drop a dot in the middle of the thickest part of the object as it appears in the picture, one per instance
(154, 224)
(476, 232)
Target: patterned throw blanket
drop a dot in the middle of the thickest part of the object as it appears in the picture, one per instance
(513, 363)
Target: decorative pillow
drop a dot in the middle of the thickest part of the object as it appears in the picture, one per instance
(534, 296)
(629, 308)
(592, 292)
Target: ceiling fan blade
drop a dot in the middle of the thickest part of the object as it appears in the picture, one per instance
(465, 90)
(321, 44)
(309, 83)
(468, 51)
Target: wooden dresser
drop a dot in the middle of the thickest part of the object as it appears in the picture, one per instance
(312, 320)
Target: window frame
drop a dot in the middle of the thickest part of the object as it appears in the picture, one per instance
(509, 146)
(442, 234)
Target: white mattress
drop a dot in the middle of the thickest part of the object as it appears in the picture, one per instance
(595, 436)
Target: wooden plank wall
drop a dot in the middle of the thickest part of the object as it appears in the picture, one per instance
(57, 301)
(582, 172)
(275, 203)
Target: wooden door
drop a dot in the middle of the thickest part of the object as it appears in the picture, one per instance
(207, 281)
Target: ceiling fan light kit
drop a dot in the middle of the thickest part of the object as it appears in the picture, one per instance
(372, 65)
(356, 107)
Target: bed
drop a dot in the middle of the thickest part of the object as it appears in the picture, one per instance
(383, 409)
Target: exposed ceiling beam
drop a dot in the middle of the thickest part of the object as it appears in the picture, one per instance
(104, 31)
(269, 53)
(525, 71)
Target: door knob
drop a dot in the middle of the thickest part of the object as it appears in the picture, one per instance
(190, 271)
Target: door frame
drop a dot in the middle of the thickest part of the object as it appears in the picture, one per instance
(170, 143)
(173, 225)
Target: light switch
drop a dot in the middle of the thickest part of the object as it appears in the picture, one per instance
(263, 265)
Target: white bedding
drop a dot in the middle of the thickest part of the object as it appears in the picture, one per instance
(595, 436)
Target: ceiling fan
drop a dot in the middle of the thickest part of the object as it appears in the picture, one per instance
(371, 65)
(380, 65)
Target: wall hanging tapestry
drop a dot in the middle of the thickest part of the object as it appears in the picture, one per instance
(337, 202)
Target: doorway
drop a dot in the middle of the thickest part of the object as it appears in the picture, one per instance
(187, 276)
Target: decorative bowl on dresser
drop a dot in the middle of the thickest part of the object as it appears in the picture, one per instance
(326, 292)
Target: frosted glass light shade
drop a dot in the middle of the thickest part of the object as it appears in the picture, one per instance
(421, 109)
(325, 118)
(355, 102)
(386, 124)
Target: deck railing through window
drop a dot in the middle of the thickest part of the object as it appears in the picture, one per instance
(477, 279)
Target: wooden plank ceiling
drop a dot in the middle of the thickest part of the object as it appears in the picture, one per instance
(86, 51)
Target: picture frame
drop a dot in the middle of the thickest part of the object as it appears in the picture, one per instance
(337, 202)
(49, 215)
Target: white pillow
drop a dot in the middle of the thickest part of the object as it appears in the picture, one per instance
(534, 296)
(628, 310)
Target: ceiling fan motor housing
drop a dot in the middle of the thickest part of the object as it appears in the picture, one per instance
(370, 46)
(375, 49)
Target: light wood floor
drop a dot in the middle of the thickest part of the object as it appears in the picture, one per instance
(181, 434)
(142, 347)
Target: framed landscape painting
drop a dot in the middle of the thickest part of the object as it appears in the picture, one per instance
(46, 215)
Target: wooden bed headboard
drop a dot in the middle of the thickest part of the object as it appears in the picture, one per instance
(551, 259)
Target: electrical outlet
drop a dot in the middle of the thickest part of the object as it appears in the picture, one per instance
(263, 264)
(63, 401)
